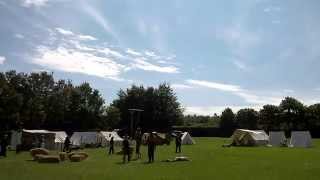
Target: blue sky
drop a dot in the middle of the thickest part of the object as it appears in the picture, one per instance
(213, 53)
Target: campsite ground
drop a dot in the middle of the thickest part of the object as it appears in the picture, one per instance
(209, 161)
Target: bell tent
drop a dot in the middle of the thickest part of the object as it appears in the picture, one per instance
(300, 139)
(245, 137)
(187, 139)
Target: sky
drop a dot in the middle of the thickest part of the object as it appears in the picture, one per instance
(214, 54)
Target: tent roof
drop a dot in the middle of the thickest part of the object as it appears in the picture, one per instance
(37, 131)
(109, 134)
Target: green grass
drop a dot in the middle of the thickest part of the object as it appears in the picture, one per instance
(209, 161)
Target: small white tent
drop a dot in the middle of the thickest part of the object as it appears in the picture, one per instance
(60, 137)
(106, 137)
(277, 138)
(15, 139)
(245, 137)
(85, 138)
(300, 139)
(186, 138)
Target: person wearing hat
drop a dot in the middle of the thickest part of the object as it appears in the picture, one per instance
(151, 147)
(126, 149)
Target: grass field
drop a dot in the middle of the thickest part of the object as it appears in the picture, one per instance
(209, 161)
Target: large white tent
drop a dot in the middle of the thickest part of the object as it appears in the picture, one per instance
(106, 137)
(85, 138)
(60, 137)
(300, 139)
(15, 140)
(186, 138)
(245, 137)
(277, 138)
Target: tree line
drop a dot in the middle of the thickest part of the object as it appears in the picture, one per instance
(289, 115)
(37, 101)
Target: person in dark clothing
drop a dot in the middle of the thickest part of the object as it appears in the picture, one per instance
(111, 146)
(151, 147)
(138, 138)
(4, 144)
(126, 149)
(178, 143)
(66, 147)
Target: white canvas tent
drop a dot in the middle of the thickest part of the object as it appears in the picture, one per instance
(85, 138)
(245, 137)
(60, 137)
(300, 139)
(186, 138)
(277, 138)
(15, 140)
(33, 138)
(106, 137)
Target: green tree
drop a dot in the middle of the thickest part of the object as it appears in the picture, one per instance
(247, 118)
(269, 118)
(227, 120)
(292, 114)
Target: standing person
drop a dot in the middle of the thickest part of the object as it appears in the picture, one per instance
(178, 143)
(151, 147)
(4, 144)
(126, 149)
(66, 147)
(138, 138)
(111, 148)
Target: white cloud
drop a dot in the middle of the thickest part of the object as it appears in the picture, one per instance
(108, 51)
(99, 19)
(272, 9)
(133, 52)
(248, 96)
(140, 63)
(290, 91)
(64, 32)
(150, 53)
(71, 60)
(214, 85)
(2, 59)
(19, 36)
(181, 86)
(241, 65)
(86, 37)
(35, 3)
(211, 110)
(275, 22)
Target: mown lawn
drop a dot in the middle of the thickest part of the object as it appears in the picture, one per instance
(209, 161)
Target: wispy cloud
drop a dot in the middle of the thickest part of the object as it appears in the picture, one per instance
(181, 86)
(101, 20)
(67, 52)
(71, 60)
(272, 9)
(75, 36)
(133, 52)
(214, 85)
(247, 95)
(2, 59)
(141, 63)
(240, 65)
(19, 36)
(34, 3)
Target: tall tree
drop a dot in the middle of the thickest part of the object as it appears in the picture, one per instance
(247, 118)
(269, 118)
(227, 120)
(292, 114)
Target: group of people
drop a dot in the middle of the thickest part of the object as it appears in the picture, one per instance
(151, 143)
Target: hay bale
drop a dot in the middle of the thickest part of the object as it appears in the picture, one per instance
(48, 159)
(84, 154)
(63, 156)
(77, 157)
(38, 151)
